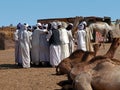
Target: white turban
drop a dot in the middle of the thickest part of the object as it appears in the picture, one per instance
(71, 24)
(59, 23)
(38, 24)
(54, 25)
(82, 25)
(64, 24)
(22, 27)
(26, 25)
(45, 25)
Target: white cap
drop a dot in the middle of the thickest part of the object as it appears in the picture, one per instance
(54, 25)
(84, 22)
(59, 23)
(26, 25)
(38, 24)
(64, 24)
(71, 24)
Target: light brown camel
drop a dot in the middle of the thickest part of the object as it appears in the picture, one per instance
(115, 44)
(91, 64)
(101, 27)
(76, 57)
(100, 73)
(80, 56)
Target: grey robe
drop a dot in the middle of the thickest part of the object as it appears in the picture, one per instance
(17, 59)
(44, 46)
(35, 51)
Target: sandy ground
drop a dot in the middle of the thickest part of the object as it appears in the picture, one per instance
(34, 78)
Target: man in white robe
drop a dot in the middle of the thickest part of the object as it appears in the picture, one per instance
(35, 51)
(81, 36)
(29, 29)
(55, 49)
(44, 46)
(18, 60)
(64, 41)
(24, 46)
(71, 39)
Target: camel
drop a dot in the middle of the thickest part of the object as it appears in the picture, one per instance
(115, 44)
(66, 64)
(101, 27)
(76, 57)
(100, 73)
(80, 56)
(88, 71)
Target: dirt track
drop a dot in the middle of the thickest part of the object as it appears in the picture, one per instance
(35, 78)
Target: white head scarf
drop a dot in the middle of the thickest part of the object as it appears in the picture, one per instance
(71, 24)
(45, 25)
(25, 26)
(38, 24)
(82, 25)
(84, 22)
(64, 24)
(54, 25)
(20, 34)
(59, 23)
(22, 27)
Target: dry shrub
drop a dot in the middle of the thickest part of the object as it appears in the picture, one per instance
(2, 40)
(6, 37)
(8, 31)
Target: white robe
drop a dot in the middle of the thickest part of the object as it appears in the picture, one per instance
(43, 46)
(24, 47)
(17, 47)
(81, 40)
(30, 33)
(64, 43)
(35, 51)
(55, 51)
(71, 42)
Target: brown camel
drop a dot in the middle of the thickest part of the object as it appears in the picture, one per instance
(100, 73)
(76, 57)
(115, 44)
(80, 56)
(88, 71)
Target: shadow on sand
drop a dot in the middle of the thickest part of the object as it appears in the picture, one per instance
(9, 66)
(15, 66)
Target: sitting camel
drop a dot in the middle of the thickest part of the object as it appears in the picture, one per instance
(76, 57)
(100, 73)
(109, 55)
(84, 56)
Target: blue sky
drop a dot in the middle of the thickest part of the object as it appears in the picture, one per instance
(28, 11)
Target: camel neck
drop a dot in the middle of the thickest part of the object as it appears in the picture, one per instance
(114, 45)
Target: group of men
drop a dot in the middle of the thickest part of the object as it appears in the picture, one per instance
(47, 43)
